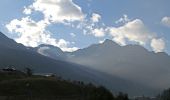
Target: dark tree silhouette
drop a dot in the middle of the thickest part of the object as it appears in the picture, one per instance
(29, 71)
(165, 95)
(122, 96)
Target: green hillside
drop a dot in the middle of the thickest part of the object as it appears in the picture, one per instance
(18, 86)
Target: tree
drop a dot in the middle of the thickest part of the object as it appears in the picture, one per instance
(29, 72)
(165, 95)
(104, 94)
(122, 96)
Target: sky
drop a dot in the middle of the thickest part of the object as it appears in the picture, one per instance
(74, 24)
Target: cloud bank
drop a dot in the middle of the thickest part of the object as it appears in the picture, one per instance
(136, 31)
(32, 33)
(56, 10)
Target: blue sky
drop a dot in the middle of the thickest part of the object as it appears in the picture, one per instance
(73, 24)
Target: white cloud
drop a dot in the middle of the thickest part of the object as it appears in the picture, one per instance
(58, 11)
(64, 46)
(70, 49)
(73, 34)
(123, 19)
(134, 31)
(92, 26)
(62, 43)
(27, 11)
(101, 41)
(166, 21)
(31, 33)
(158, 45)
(98, 32)
(95, 17)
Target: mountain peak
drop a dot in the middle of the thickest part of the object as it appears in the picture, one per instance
(110, 42)
(107, 41)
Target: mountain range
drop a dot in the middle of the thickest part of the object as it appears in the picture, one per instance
(131, 69)
(131, 62)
